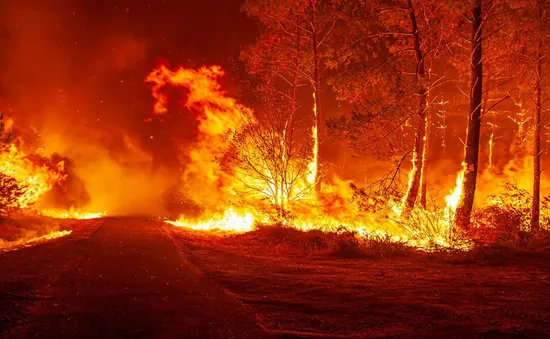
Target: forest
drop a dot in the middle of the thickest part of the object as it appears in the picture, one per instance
(274, 169)
(401, 88)
(416, 83)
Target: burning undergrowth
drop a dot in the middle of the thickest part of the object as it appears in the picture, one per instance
(244, 171)
(22, 231)
(33, 184)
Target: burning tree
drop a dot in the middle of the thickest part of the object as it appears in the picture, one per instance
(237, 152)
(500, 56)
(291, 52)
(470, 164)
(267, 165)
(10, 189)
(540, 33)
(388, 70)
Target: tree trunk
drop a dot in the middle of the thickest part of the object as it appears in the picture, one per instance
(316, 96)
(425, 154)
(466, 203)
(289, 130)
(535, 210)
(416, 171)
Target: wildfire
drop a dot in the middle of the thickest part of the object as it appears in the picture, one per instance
(32, 176)
(229, 221)
(262, 178)
(313, 165)
(10, 246)
(34, 179)
(71, 213)
(453, 199)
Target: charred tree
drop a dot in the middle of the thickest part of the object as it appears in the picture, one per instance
(425, 158)
(535, 208)
(418, 157)
(471, 154)
(289, 125)
(316, 95)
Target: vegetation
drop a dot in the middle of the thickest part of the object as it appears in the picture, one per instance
(10, 189)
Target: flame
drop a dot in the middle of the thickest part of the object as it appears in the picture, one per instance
(491, 147)
(228, 221)
(35, 176)
(217, 115)
(35, 179)
(14, 245)
(453, 199)
(314, 164)
(262, 191)
(71, 213)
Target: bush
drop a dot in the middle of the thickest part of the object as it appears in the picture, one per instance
(505, 221)
(10, 192)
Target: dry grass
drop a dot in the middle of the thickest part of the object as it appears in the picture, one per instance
(315, 284)
(279, 239)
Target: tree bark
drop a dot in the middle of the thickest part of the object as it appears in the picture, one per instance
(535, 209)
(289, 128)
(416, 171)
(471, 154)
(425, 159)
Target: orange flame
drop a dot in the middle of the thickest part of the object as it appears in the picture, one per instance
(228, 221)
(71, 213)
(219, 190)
(312, 177)
(14, 245)
(37, 180)
(452, 200)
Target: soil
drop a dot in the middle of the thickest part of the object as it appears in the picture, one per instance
(139, 278)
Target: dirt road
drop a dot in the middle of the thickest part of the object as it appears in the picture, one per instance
(114, 278)
(136, 278)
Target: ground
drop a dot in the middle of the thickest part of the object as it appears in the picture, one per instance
(138, 278)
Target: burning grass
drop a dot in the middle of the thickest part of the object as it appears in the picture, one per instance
(21, 232)
(281, 239)
(71, 213)
(244, 172)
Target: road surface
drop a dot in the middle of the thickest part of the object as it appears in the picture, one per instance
(114, 278)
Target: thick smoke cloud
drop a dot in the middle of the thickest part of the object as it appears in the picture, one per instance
(72, 73)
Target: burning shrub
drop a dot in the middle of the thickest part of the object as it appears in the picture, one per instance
(505, 220)
(369, 201)
(10, 193)
(10, 190)
(268, 163)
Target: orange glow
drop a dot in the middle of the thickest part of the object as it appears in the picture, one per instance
(36, 179)
(14, 245)
(453, 199)
(258, 187)
(313, 165)
(71, 213)
(228, 221)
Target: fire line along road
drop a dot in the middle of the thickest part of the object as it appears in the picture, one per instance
(116, 278)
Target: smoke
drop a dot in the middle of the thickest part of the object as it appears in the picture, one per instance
(75, 87)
